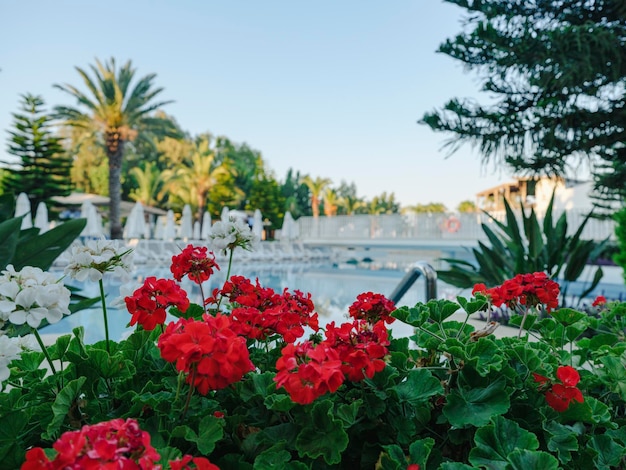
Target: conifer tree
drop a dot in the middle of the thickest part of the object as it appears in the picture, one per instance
(42, 169)
(555, 73)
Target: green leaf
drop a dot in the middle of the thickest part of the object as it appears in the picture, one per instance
(10, 432)
(476, 406)
(562, 440)
(591, 411)
(455, 466)
(278, 402)
(609, 453)
(483, 355)
(9, 236)
(473, 306)
(441, 309)
(418, 387)
(64, 401)
(322, 436)
(523, 459)
(109, 367)
(210, 431)
(260, 385)
(615, 371)
(414, 316)
(495, 442)
(392, 459)
(420, 450)
(348, 413)
(42, 250)
(278, 459)
(59, 348)
(568, 316)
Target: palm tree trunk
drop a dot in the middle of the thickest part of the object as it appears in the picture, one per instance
(115, 153)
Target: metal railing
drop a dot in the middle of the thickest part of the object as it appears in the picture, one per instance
(446, 227)
(420, 268)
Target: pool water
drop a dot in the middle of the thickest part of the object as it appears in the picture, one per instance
(333, 289)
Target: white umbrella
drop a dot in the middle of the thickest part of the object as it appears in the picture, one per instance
(135, 222)
(186, 223)
(288, 230)
(41, 218)
(159, 228)
(196, 230)
(206, 226)
(93, 228)
(169, 233)
(22, 207)
(225, 214)
(257, 224)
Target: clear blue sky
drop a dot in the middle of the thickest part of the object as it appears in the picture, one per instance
(329, 88)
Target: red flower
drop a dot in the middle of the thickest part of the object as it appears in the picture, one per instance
(308, 372)
(110, 444)
(600, 301)
(195, 263)
(372, 307)
(148, 304)
(361, 347)
(260, 312)
(209, 351)
(413, 466)
(199, 463)
(559, 396)
(526, 289)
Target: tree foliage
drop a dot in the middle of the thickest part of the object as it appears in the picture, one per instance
(556, 73)
(43, 170)
(116, 110)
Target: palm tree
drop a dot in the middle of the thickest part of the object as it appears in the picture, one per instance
(117, 113)
(351, 204)
(316, 187)
(191, 182)
(149, 181)
(331, 201)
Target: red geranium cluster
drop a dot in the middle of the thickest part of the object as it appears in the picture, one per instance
(559, 395)
(195, 262)
(110, 444)
(260, 312)
(361, 346)
(372, 307)
(209, 351)
(526, 289)
(148, 304)
(307, 371)
(353, 350)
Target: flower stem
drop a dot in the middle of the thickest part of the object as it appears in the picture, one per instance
(191, 387)
(44, 350)
(104, 313)
(203, 298)
(230, 264)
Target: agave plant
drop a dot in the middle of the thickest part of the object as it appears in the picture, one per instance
(514, 251)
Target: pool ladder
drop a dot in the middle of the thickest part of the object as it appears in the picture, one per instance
(420, 268)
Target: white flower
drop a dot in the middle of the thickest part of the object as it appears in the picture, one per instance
(9, 349)
(30, 296)
(92, 260)
(229, 235)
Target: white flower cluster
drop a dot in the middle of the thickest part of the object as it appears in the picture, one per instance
(229, 235)
(11, 348)
(31, 295)
(92, 260)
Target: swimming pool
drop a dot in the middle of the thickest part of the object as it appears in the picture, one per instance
(333, 289)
